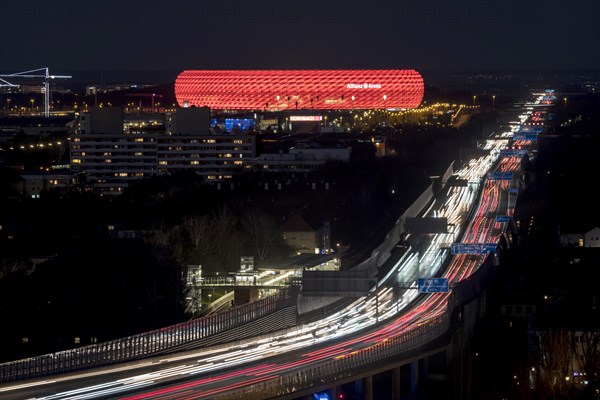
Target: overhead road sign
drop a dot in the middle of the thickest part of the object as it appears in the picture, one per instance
(473, 248)
(433, 285)
(525, 136)
(503, 218)
(500, 175)
(513, 153)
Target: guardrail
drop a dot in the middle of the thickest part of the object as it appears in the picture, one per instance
(195, 332)
(372, 357)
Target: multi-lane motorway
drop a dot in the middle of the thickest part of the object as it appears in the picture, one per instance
(371, 320)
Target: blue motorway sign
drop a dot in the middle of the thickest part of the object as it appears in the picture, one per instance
(513, 153)
(433, 285)
(500, 176)
(503, 218)
(473, 248)
(525, 136)
(531, 128)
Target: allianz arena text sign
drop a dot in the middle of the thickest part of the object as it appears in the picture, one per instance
(280, 90)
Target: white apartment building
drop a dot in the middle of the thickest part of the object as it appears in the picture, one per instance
(111, 149)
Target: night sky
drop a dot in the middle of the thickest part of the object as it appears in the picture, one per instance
(161, 35)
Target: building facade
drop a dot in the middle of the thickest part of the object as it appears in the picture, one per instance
(280, 90)
(112, 149)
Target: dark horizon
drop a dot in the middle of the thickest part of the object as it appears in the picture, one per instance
(235, 34)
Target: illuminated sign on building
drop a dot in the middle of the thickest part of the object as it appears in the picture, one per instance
(363, 86)
(280, 90)
(305, 118)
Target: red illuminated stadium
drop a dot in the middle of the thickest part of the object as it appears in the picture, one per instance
(278, 90)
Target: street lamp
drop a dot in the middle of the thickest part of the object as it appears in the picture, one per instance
(384, 108)
(493, 103)
(565, 100)
(32, 101)
(474, 98)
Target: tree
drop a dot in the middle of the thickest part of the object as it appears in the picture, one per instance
(586, 347)
(263, 230)
(200, 229)
(9, 266)
(555, 358)
(224, 222)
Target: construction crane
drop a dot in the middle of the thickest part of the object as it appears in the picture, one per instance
(153, 95)
(32, 74)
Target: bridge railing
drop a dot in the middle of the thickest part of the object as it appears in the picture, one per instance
(145, 344)
(322, 373)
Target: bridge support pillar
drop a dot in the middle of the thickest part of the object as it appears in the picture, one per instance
(418, 371)
(396, 383)
(367, 384)
(334, 392)
(414, 376)
(423, 368)
(358, 386)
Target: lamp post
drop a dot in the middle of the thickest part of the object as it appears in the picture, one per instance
(384, 109)
(278, 102)
(493, 103)
(32, 101)
(474, 99)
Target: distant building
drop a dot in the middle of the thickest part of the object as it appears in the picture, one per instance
(279, 90)
(35, 183)
(298, 160)
(322, 154)
(592, 238)
(588, 239)
(307, 234)
(283, 163)
(112, 149)
(35, 126)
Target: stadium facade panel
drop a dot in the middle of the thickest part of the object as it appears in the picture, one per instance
(279, 90)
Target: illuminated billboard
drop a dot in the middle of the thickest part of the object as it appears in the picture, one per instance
(279, 90)
(305, 118)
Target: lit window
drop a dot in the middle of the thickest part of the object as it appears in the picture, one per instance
(76, 161)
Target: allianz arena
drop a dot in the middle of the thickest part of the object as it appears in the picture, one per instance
(280, 90)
